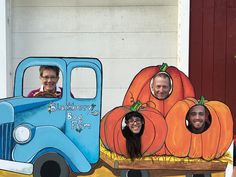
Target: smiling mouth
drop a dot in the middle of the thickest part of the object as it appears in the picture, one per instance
(135, 128)
(50, 85)
(198, 121)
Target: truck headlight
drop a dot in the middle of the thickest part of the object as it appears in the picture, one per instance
(22, 134)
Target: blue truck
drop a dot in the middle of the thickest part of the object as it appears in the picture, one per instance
(52, 134)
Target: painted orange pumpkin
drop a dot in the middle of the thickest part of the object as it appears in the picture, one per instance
(139, 88)
(152, 138)
(210, 144)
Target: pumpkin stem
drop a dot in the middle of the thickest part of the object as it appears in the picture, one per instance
(202, 100)
(164, 66)
(135, 106)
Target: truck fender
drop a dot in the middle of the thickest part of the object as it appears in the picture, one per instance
(7, 113)
(50, 137)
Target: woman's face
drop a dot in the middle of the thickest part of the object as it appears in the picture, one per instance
(49, 80)
(134, 124)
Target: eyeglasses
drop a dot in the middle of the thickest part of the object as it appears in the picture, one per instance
(49, 77)
(132, 121)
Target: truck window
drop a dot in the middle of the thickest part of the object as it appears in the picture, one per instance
(37, 81)
(83, 83)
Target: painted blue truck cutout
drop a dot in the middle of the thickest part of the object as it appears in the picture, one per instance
(63, 130)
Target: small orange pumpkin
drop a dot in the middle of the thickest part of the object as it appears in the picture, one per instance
(139, 88)
(152, 138)
(210, 144)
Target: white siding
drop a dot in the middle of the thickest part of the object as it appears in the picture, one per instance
(126, 35)
(96, 3)
(5, 43)
(3, 47)
(183, 36)
(134, 19)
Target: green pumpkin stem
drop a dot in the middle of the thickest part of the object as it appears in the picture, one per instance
(202, 100)
(164, 66)
(136, 106)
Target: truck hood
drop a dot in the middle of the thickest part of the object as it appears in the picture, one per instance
(22, 103)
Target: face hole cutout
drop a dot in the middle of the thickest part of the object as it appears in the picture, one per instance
(198, 119)
(43, 81)
(133, 124)
(161, 85)
(83, 83)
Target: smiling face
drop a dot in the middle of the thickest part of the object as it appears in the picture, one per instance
(161, 87)
(197, 117)
(134, 124)
(49, 80)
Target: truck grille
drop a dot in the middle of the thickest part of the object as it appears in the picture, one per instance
(6, 140)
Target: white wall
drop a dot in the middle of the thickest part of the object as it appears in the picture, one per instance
(3, 50)
(183, 35)
(126, 35)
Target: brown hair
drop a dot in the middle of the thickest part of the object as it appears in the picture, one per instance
(47, 67)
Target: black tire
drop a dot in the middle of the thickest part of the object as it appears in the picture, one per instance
(50, 165)
(134, 173)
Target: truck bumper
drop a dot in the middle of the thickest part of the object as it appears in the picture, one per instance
(17, 167)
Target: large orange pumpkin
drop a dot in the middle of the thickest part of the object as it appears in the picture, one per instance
(210, 144)
(152, 139)
(139, 88)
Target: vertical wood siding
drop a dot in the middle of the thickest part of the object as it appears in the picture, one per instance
(212, 44)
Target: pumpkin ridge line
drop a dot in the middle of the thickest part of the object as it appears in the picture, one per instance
(117, 145)
(182, 85)
(151, 101)
(132, 97)
(190, 147)
(125, 112)
(188, 130)
(153, 138)
(163, 109)
(166, 127)
(146, 83)
(189, 99)
(201, 147)
(105, 119)
(186, 102)
(220, 127)
(164, 143)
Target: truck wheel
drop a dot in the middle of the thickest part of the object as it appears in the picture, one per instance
(50, 165)
(132, 173)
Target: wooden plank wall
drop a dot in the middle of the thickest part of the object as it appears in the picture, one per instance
(207, 48)
(126, 35)
(211, 64)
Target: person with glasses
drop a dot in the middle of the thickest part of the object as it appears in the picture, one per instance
(49, 76)
(133, 131)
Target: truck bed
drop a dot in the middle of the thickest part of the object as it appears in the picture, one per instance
(165, 165)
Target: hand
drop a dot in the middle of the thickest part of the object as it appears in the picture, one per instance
(46, 94)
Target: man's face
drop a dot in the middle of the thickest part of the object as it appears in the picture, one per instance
(49, 80)
(161, 87)
(197, 117)
(134, 124)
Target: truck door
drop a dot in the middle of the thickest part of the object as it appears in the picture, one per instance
(35, 110)
(84, 106)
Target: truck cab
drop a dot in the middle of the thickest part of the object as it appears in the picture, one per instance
(54, 134)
